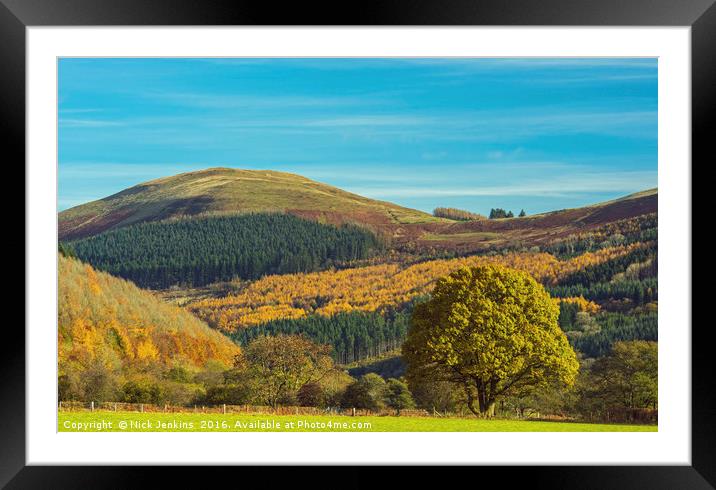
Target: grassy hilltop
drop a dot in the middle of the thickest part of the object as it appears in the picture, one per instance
(226, 191)
(230, 191)
(538, 229)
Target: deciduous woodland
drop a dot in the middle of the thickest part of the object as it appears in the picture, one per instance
(552, 314)
(375, 288)
(114, 337)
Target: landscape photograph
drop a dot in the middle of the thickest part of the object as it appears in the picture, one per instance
(357, 245)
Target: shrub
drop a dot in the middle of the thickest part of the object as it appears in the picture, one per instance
(369, 392)
(311, 395)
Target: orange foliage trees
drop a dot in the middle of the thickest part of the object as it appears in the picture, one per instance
(373, 288)
(105, 320)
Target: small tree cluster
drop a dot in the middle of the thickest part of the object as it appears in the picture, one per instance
(372, 392)
(499, 213)
(625, 379)
(456, 214)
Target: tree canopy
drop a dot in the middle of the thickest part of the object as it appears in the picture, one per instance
(279, 366)
(491, 330)
(457, 214)
(368, 392)
(625, 378)
(398, 395)
(499, 213)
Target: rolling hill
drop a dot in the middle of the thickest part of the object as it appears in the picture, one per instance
(538, 229)
(103, 320)
(222, 191)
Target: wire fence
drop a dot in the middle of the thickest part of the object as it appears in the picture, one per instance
(625, 415)
(76, 406)
(637, 416)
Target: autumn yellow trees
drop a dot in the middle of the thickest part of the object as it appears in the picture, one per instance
(373, 288)
(109, 327)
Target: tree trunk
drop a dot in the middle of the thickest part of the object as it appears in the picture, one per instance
(471, 401)
(490, 409)
(485, 398)
(487, 406)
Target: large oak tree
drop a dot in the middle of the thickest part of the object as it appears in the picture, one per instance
(492, 331)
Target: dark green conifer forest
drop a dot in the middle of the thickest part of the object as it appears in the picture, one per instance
(202, 251)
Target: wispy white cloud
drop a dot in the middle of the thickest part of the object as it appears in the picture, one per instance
(71, 201)
(541, 71)
(478, 126)
(532, 63)
(77, 111)
(476, 63)
(88, 123)
(362, 174)
(114, 170)
(368, 120)
(553, 185)
(493, 125)
(632, 123)
(244, 101)
(593, 79)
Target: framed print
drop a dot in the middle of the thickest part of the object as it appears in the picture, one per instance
(426, 236)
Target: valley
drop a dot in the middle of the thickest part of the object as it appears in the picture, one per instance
(225, 257)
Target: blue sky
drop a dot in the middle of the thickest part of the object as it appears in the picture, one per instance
(538, 134)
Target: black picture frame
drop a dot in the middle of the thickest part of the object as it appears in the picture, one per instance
(16, 15)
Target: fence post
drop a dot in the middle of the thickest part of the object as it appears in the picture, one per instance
(92, 406)
(60, 405)
(354, 411)
(165, 408)
(141, 407)
(224, 407)
(115, 407)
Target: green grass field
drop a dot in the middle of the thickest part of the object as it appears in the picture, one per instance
(107, 421)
